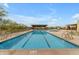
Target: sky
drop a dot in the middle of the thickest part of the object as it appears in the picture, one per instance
(52, 14)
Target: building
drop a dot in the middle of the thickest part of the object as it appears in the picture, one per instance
(39, 26)
(78, 26)
(71, 27)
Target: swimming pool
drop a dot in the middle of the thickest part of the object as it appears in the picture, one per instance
(37, 39)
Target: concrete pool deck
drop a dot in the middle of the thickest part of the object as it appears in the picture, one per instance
(9, 36)
(41, 52)
(60, 34)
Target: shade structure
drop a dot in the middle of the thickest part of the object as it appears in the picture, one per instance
(39, 26)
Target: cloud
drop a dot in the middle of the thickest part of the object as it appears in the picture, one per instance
(29, 20)
(6, 5)
(75, 18)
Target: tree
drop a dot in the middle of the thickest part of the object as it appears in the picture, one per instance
(2, 12)
(7, 25)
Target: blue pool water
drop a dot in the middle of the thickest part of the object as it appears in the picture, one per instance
(37, 39)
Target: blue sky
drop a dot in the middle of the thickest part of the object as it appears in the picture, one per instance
(52, 14)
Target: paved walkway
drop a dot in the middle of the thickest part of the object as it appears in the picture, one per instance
(41, 52)
(60, 33)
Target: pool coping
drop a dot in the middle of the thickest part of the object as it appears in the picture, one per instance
(15, 36)
(63, 39)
